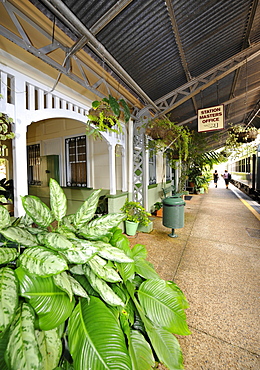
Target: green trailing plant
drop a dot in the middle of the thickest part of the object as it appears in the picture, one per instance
(104, 116)
(238, 136)
(5, 130)
(135, 212)
(166, 136)
(74, 295)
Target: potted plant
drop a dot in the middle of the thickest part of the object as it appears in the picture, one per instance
(5, 131)
(238, 134)
(168, 137)
(73, 294)
(104, 116)
(135, 214)
(158, 209)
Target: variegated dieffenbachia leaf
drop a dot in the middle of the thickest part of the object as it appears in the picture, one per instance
(79, 254)
(77, 289)
(103, 289)
(57, 242)
(58, 200)
(109, 252)
(62, 281)
(37, 210)
(8, 255)
(105, 272)
(8, 297)
(20, 236)
(22, 350)
(77, 269)
(50, 347)
(94, 233)
(107, 222)
(5, 219)
(87, 210)
(42, 261)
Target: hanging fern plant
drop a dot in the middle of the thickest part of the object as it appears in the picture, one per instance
(105, 114)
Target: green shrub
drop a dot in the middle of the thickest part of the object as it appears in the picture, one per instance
(74, 295)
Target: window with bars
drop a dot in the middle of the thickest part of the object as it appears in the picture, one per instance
(76, 161)
(33, 164)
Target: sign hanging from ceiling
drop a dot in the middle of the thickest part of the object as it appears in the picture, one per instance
(210, 119)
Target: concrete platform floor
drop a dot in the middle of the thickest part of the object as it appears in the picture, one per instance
(215, 260)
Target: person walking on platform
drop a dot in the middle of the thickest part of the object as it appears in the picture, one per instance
(226, 177)
(215, 177)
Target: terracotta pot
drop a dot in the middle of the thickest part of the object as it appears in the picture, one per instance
(159, 212)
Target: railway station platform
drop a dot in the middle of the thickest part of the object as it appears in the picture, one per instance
(215, 260)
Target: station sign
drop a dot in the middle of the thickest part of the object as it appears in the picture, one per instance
(211, 118)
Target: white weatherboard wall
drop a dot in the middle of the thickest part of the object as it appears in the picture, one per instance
(32, 101)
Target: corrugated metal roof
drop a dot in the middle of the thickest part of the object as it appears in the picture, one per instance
(162, 45)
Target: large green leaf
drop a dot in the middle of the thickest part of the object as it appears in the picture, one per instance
(103, 288)
(20, 236)
(145, 269)
(42, 261)
(8, 255)
(58, 200)
(51, 304)
(179, 294)
(161, 306)
(140, 352)
(105, 272)
(167, 347)
(126, 270)
(8, 296)
(95, 338)
(4, 337)
(87, 210)
(114, 105)
(37, 210)
(5, 219)
(22, 350)
(50, 347)
(57, 242)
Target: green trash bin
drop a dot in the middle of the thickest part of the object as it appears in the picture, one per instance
(173, 213)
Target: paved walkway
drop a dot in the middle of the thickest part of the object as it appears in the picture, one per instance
(215, 260)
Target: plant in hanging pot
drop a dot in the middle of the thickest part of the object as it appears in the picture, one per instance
(105, 114)
(135, 215)
(238, 134)
(5, 131)
(168, 137)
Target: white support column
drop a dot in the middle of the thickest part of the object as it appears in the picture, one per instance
(130, 158)
(145, 178)
(124, 168)
(19, 149)
(112, 168)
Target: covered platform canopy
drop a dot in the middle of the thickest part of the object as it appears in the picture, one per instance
(175, 56)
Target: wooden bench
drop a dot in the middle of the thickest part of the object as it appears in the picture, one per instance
(168, 190)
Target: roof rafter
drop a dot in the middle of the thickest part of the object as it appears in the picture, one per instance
(196, 85)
